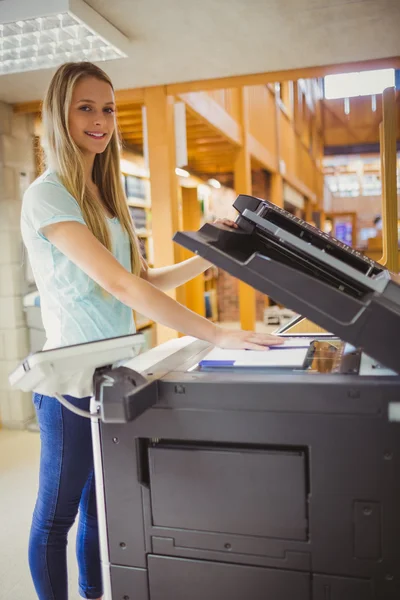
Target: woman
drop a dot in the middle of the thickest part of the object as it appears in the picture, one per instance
(85, 258)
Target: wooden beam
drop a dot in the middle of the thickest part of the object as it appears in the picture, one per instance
(285, 75)
(166, 217)
(130, 96)
(242, 179)
(122, 97)
(199, 126)
(211, 141)
(202, 105)
(261, 154)
(211, 148)
(137, 95)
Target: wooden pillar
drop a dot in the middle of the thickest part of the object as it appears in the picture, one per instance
(308, 210)
(242, 177)
(277, 189)
(165, 204)
(387, 132)
(191, 213)
(276, 178)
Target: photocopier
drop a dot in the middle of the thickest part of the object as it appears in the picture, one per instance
(268, 482)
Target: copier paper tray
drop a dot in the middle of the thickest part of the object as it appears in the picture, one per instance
(308, 271)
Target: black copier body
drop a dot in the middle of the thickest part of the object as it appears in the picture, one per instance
(280, 484)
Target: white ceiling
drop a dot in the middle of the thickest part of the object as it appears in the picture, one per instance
(183, 40)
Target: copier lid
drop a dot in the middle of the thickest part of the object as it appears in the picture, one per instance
(309, 272)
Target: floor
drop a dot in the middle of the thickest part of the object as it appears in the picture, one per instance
(19, 465)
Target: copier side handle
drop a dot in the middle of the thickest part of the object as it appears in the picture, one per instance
(123, 394)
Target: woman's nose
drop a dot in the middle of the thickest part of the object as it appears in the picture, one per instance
(99, 119)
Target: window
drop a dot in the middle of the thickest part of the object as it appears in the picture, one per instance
(364, 83)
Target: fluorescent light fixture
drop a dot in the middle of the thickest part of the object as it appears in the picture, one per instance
(214, 183)
(40, 34)
(182, 172)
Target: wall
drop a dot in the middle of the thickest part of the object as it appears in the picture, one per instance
(16, 171)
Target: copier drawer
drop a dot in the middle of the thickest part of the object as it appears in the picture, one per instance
(251, 492)
(176, 579)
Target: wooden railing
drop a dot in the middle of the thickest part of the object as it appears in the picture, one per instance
(387, 133)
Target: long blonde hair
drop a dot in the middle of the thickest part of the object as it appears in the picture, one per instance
(65, 158)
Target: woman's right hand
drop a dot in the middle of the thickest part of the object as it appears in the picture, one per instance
(245, 340)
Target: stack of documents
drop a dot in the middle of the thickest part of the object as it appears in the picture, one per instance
(290, 355)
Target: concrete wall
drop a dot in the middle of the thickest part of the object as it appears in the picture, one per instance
(16, 171)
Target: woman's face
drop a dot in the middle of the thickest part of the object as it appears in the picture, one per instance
(92, 115)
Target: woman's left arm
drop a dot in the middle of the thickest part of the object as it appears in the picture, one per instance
(167, 278)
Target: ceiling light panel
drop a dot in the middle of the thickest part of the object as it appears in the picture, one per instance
(47, 33)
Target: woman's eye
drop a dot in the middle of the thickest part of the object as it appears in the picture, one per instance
(109, 111)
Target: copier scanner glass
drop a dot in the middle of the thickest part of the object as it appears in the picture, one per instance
(315, 356)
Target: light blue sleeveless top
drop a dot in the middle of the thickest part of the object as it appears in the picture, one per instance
(74, 308)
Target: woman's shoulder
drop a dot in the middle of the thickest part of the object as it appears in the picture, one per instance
(47, 197)
(46, 179)
(46, 188)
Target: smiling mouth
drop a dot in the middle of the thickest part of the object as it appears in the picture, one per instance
(96, 136)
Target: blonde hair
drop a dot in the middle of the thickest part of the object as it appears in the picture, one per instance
(65, 158)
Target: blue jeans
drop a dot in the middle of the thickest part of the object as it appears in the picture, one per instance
(66, 484)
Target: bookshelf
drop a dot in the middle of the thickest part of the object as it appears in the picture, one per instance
(136, 183)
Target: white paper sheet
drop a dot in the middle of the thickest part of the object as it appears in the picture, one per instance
(282, 358)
